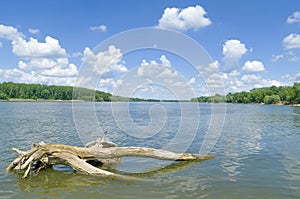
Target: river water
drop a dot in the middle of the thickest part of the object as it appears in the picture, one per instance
(257, 149)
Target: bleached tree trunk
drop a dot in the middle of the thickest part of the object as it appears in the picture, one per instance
(81, 158)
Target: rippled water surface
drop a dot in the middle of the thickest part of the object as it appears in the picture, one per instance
(257, 153)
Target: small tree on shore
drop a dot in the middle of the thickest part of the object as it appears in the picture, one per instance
(272, 99)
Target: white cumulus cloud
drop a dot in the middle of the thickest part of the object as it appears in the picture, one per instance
(184, 19)
(17, 75)
(256, 81)
(253, 66)
(69, 70)
(101, 28)
(10, 33)
(165, 62)
(107, 85)
(233, 50)
(106, 61)
(192, 80)
(208, 70)
(291, 41)
(33, 48)
(153, 69)
(236, 83)
(155, 79)
(39, 62)
(294, 18)
(49, 67)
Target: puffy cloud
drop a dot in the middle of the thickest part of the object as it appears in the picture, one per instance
(49, 67)
(212, 77)
(33, 31)
(44, 70)
(165, 62)
(294, 18)
(155, 70)
(250, 78)
(233, 50)
(253, 66)
(10, 33)
(268, 83)
(155, 79)
(209, 69)
(234, 73)
(215, 81)
(17, 75)
(58, 71)
(104, 62)
(106, 65)
(107, 85)
(1, 44)
(39, 62)
(33, 48)
(235, 82)
(257, 81)
(101, 28)
(184, 19)
(291, 41)
(192, 80)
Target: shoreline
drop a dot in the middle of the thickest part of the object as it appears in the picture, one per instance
(45, 100)
(38, 100)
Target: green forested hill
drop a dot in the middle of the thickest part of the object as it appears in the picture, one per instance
(10, 90)
(269, 95)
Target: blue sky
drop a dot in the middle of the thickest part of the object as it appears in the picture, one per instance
(250, 43)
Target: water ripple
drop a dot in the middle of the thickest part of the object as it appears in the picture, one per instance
(257, 153)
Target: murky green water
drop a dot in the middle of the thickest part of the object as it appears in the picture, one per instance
(257, 153)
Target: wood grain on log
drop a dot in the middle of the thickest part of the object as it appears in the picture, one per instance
(46, 155)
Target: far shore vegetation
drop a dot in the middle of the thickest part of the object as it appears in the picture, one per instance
(9, 91)
(285, 95)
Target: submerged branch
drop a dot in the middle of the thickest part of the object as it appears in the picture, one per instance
(84, 160)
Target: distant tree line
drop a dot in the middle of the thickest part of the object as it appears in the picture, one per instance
(10, 90)
(269, 95)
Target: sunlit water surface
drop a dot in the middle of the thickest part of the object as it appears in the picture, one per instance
(257, 154)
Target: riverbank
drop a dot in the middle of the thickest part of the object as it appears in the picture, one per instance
(52, 100)
(38, 100)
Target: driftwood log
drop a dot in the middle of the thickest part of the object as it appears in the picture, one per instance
(89, 159)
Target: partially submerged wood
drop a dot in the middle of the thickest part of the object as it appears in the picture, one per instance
(87, 159)
(101, 142)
